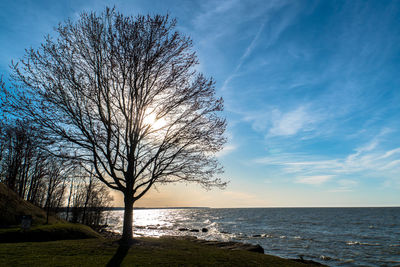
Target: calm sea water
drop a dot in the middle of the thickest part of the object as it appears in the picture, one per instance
(333, 236)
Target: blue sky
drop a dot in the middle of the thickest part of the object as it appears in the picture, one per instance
(311, 90)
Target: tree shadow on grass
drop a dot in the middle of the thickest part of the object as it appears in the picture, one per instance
(119, 256)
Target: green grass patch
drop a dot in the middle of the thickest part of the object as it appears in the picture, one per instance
(58, 231)
(13, 207)
(147, 252)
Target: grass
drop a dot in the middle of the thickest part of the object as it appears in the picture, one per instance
(12, 207)
(147, 252)
(65, 244)
(51, 232)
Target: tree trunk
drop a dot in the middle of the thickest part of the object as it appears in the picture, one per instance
(47, 205)
(88, 195)
(69, 198)
(128, 219)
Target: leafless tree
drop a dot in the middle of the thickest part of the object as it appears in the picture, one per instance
(19, 143)
(22, 165)
(57, 174)
(122, 94)
(16, 141)
(69, 199)
(36, 182)
(99, 200)
(2, 144)
(89, 198)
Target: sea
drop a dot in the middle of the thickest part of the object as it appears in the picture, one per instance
(332, 236)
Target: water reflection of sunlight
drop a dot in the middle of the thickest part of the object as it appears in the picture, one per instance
(147, 222)
(153, 222)
(159, 222)
(152, 218)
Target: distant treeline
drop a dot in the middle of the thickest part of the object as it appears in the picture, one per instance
(64, 209)
(51, 182)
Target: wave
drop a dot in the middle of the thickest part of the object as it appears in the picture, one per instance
(285, 232)
(351, 243)
(325, 258)
(261, 236)
(265, 235)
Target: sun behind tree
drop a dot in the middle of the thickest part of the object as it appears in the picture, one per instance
(121, 94)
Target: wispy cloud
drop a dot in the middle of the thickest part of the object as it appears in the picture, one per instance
(340, 190)
(226, 150)
(245, 55)
(302, 119)
(272, 27)
(344, 186)
(347, 183)
(212, 10)
(369, 160)
(314, 180)
(292, 122)
(242, 199)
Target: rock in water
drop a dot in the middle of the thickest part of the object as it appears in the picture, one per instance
(256, 248)
(233, 245)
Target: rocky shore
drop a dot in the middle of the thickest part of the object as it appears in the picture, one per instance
(227, 245)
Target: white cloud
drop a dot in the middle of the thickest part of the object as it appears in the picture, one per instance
(392, 164)
(227, 149)
(276, 123)
(246, 54)
(273, 32)
(341, 190)
(292, 122)
(347, 182)
(369, 160)
(213, 10)
(390, 153)
(345, 185)
(314, 180)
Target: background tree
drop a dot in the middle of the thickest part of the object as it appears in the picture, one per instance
(89, 198)
(121, 94)
(55, 181)
(21, 146)
(28, 169)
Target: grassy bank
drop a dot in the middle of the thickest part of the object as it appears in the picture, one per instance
(65, 244)
(52, 232)
(12, 207)
(147, 252)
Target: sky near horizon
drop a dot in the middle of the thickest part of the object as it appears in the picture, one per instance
(311, 91)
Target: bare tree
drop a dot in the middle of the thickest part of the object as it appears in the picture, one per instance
(2, 144)
(89, 191)
(55, 181)
(19, 144)
(24, 164)
(122, 94)
(89, 198)
(69, 198)
(17, 138)
(37, 179)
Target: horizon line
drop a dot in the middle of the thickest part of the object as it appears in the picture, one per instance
(257, 207)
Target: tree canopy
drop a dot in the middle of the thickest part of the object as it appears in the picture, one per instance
(121, 94)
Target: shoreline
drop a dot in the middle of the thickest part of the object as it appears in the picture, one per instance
(227, 245)
(145, 251)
